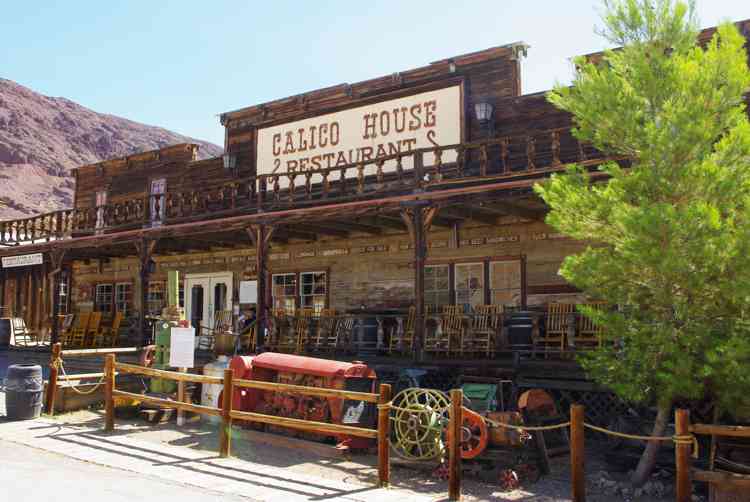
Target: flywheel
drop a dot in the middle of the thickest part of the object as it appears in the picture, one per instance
(418, 419)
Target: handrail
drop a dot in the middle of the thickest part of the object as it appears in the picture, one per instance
(535, 153)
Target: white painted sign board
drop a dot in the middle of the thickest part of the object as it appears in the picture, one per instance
(362, 134)
(182, 348)
(248, 291)
(23, 260)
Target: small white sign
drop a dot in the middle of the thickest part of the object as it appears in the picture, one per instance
(248, 291)
(182, 348)
(23, 260)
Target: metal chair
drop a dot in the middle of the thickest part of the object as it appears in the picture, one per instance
(222, 323)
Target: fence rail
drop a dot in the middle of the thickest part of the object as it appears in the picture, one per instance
(227, 414)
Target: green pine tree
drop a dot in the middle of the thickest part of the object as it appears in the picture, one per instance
(668, 233)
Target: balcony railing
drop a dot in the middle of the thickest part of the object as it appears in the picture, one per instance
(488, 160)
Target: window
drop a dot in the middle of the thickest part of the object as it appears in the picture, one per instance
(284, 291)
(101, 202)
(505, 282)
(469, 284)
(157, 201)
(181, 294)
(123, 297)
(156, 298)
(313, 291)
(103, 298)
(437, 285)
(62, 299)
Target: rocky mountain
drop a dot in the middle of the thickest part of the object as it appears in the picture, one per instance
(42, 138)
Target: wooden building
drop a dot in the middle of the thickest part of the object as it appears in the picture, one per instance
(413, 189)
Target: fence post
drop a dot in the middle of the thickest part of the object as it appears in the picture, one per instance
(225, 447)
(109, 387)
(384, 431)
(52, 385)
(684, 485)
(454, 444)
(577, 455)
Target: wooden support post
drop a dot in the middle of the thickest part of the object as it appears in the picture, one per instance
(145, 250)
(225, 438)
(577, 455)
(454, 444)
(52, 384)
(524, 283)
(683, 483)
(420, 257)
(260, 235)
(384, 432)
(109, 388)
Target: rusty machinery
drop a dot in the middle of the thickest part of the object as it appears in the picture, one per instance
(309, 372)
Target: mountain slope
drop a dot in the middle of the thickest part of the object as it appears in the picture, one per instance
(43, 138)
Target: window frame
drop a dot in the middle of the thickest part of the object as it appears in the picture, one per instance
(98, 304)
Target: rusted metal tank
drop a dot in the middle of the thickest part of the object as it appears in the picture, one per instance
(309, 372)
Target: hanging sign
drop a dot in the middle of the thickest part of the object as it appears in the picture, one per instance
(182, 347)
(362, 134)
(23, 260)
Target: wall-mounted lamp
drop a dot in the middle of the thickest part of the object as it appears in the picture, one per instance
(484, 112)
(230, 161)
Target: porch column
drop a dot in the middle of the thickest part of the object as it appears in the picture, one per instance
(2, 287)
(56, 262)
(260, 235)
(145, 248)
(418, 217)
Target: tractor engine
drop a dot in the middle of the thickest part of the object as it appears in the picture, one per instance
(308, 372)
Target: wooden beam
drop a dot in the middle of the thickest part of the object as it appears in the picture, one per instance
(322, 229)
(504, 208)
(354, 227)
(470, 213)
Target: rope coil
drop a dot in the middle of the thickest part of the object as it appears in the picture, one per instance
(58, 362)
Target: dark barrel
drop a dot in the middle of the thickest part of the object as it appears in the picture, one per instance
(520, 327)
(24, 387)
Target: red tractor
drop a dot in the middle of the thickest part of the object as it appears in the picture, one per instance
(308, 372)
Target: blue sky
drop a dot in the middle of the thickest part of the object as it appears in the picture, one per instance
(178, 64)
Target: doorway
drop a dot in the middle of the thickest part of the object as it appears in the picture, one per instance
(206, 294)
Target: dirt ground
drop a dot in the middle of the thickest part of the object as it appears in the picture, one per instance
(317, 459)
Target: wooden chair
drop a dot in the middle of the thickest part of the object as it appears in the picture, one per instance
(448, 332)
(479, 337)
(222, 323)
(77, 332)
(106, 336)
(556, 328)
(588, 335)
(248, 339)
(20, 335)
(92, 330)
(302, 322)
(325, 332)
(402, 336)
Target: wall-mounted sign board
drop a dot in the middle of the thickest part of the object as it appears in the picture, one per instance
(363, 133)
(248, 291)
(23, 260)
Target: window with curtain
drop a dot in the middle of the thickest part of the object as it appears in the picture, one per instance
(469, 284)
(103, 298)
(284, 291)
(505, 282)
(313, 291)
(437, 286)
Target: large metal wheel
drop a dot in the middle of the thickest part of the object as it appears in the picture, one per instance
(418, 419)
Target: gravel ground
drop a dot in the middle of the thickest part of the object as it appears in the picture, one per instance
(360, 468)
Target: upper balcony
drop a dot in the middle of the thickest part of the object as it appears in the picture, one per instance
(510, 162)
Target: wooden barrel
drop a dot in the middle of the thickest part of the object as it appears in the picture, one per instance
(24, 387)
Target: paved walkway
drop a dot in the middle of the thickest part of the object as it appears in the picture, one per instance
(186, 466)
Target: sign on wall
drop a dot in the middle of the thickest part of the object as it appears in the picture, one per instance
(23, 260)
(364, 133)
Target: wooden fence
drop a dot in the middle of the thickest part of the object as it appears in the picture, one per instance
(56, 367)
(228, 415)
